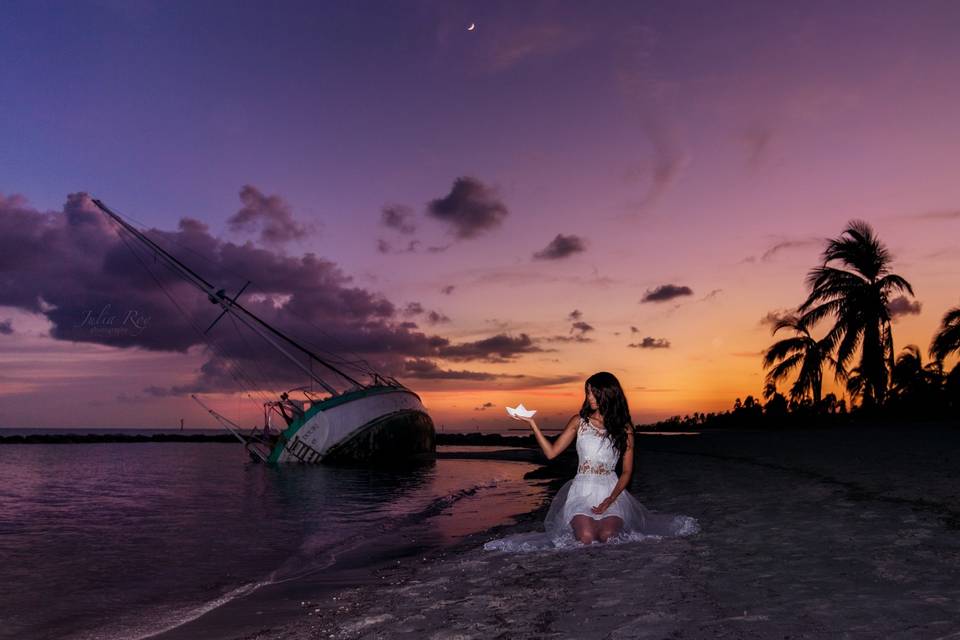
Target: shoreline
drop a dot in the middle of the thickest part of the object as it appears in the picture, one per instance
(464, 592)
(325, 619)
(853, 536)
(137, 435)
(310, 598)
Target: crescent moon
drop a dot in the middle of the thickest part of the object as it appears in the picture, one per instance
(471, 27)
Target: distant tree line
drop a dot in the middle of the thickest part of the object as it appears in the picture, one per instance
(853, 288)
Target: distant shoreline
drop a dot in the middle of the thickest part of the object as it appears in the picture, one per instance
(443, 438)
(98, 438)
(82, 437)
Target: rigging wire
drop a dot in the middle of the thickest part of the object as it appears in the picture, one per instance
(254, 385)
(333, 356)
(370, 370)
(189, 320)
(183, 246)
(221, 295)
(250, 352)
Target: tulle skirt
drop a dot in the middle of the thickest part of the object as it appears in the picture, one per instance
(577, 497)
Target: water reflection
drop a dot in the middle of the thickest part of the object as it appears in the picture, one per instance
(144, 535)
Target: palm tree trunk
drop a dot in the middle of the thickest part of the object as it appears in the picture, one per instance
(873, 363)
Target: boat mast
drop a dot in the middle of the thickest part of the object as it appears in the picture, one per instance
(255, 323)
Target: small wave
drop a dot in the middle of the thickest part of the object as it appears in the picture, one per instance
(163, 623)
(313, 555)
(437, 505)
(306, 561)
(541, 541)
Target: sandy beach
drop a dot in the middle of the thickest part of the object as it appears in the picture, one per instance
(805, 534)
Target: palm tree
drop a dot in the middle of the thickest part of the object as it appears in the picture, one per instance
(947, 340)
(910, 375)
(800, 350)
(855, 384)
(856, 292)
(830, 403)
(915, 381)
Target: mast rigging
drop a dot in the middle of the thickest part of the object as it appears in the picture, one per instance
(219, 297)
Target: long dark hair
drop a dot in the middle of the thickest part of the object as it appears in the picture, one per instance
(612, 405)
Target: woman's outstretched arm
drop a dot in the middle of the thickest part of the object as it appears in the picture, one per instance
(562, 442)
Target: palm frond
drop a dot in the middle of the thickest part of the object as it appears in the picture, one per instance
(947, 339)
(812, 316)
(783, 369)
(893, 282)
(849, 343)
(782, 348)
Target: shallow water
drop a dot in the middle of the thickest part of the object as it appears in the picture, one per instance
(130, 540)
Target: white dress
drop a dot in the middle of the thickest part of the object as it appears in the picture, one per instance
(593, 483)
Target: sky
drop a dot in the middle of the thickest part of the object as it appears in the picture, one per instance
(489, 214)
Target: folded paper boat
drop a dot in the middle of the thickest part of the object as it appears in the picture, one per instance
(521, 411)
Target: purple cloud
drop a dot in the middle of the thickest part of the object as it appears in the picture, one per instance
(398, 217)
(577, 333)
(901, 306)
(470, 208)
(666, 292)
(499, 348)
(435, 317)
(773, 317)
(270, 214)
(794, 243)
(93, 285)
(651, 343)
(561, 247)
(412, 309)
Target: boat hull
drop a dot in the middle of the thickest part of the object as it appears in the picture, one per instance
(401, 438)
(373, 426)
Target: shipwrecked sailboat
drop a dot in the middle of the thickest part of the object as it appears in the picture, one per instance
(378, 422)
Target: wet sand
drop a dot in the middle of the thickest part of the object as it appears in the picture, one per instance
(805, 534)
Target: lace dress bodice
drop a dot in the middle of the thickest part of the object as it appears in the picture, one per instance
(595, 450)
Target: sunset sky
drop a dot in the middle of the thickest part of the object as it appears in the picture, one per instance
(491, 215)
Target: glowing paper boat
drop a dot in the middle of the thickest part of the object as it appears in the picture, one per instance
(521, 411)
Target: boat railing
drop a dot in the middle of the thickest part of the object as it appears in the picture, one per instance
(302, 451)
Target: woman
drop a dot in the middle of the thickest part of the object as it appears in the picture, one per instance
(595, 505)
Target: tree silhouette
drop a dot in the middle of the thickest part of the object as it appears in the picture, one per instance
(856, 292)
(799, 350)
(910, 374)
(947, 340)
(829, 403)
(855, 384)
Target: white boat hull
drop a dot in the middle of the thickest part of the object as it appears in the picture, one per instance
(374, 425)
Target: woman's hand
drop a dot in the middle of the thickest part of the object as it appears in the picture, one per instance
(603, 506)
(523, 419)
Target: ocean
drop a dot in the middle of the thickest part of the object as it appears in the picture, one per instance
(180, 540)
